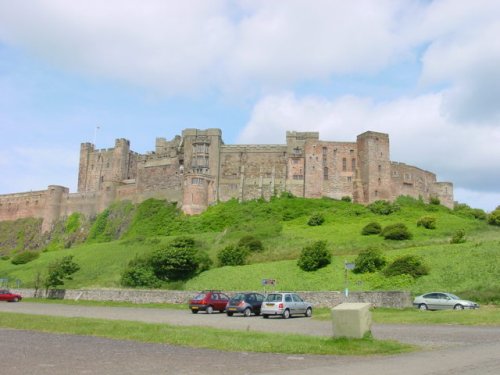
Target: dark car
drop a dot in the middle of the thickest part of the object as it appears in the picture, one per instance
(209, 300)
(245, 303)
(7, 295)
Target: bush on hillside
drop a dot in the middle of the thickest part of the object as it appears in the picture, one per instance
(458, 237)
(251, 243)
(407, 265)
(428, 222)
(232, 255)
(316, 220)
(464, 210)
(434, 201)
(24, 257)
(346, 198)
(494, 217)
(369, 260)
(314, 257)
(139, 273)
(371, 228)
(174, 263)
(383, 207)
(397, 232)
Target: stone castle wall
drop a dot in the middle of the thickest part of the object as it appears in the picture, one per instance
(197, 170)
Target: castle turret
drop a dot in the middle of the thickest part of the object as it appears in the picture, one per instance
(55, 197)
(86, 150)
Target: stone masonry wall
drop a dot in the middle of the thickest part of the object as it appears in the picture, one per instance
(393, 299)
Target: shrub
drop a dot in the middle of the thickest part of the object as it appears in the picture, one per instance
(174, 263)
(383, 207)
(397, 232)
(232, 256)
(316, 220)
(5, 257)
(427, 222)
(371, 228)
(346, 198)
(24, 257)
(251, 243)
(314, 257)
(434, 201)
(458, 237)
(494, 217)
(183, 242)
(407, 265)
(369, 260)
(59, 270)
(139, 273)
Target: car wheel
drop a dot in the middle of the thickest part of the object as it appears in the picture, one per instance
(286, 314)
(309, 312)
(194, 311)
(458, 307)
(422, 307)
(210, 309)
(15, 299)
(265, 316)
(247, 312)
(229, 314)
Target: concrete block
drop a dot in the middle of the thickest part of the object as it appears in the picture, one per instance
(351, 320)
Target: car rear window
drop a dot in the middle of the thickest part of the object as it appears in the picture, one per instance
(274, 298)
(199, 296)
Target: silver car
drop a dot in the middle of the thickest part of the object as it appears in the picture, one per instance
(441, 301)
(285, 305)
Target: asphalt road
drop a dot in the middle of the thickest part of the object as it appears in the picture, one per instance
(447, 349)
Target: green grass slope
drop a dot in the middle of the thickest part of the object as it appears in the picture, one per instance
(281, 225)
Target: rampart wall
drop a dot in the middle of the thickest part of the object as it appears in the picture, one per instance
(391, 299)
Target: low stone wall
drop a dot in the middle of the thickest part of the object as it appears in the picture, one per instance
(394, 299)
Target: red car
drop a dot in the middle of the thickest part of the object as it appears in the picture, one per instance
(6, 295)
(209, 300)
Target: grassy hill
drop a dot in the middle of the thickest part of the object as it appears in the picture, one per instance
(126, 231)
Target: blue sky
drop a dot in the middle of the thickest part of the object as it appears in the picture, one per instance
(426, 72)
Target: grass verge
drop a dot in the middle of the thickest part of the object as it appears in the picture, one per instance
(488, 315)
(81, 302)
(208, 338)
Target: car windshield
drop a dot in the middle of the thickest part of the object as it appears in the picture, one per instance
(274, 298)
(238, 297)
(199, 296)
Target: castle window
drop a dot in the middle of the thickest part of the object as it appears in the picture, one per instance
(102, 179)
(351, 152)
(379, 181)
(298, 177)
(349, 179)
(297, 151)
(379, 168)
(324, 151)
(196, 181)
(107, 165)
(344, 164)
(376, 193)
(353, 164)
(325, 173)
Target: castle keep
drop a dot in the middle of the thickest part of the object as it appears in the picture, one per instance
(197, 170)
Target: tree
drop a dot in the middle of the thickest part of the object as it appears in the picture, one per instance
(60, 270)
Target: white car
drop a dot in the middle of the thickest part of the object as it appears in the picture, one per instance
(441, 301)
(285, 305)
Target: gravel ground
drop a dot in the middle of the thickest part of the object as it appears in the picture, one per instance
(449, 349)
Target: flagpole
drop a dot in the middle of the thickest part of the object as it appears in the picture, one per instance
(95, 133)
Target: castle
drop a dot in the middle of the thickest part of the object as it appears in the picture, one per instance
(197, 170)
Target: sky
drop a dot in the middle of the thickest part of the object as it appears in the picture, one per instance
(425, 72)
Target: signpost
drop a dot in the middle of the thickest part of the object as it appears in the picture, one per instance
(348, 267)
(266, 282)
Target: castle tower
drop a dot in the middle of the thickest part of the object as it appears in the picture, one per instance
(55, 197)
(374, 167)
(201, 168)
(86, 150)
(120, 160)
(297, 148)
